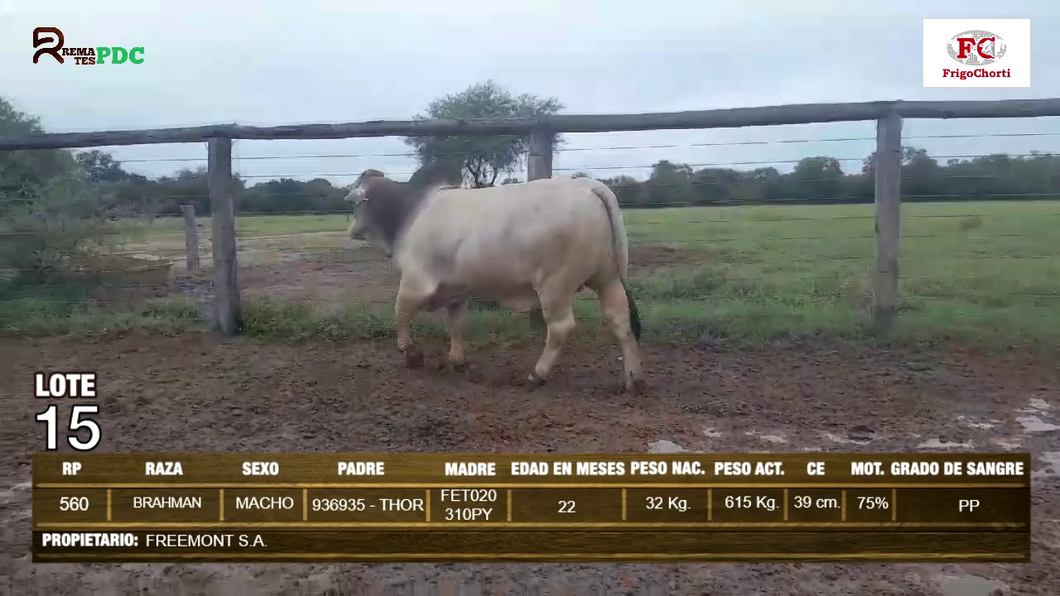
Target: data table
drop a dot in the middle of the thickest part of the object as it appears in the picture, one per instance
(185, 507)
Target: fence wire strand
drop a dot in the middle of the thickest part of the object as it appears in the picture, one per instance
(862, 263)
(561, 149)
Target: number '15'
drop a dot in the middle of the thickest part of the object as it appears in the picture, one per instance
(78, 420)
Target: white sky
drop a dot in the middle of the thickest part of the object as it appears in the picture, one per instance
(271, 62)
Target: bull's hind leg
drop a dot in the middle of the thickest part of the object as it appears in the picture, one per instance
(455, 316)
(616, 309)
(558, 311)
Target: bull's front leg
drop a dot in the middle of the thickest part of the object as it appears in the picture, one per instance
(410, 297)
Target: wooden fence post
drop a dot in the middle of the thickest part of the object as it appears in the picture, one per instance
(885, 294)
(222, 211)
(191, 237)
(539, 164)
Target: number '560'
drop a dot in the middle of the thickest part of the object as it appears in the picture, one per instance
(78, 420)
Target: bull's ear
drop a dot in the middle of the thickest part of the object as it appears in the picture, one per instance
(366, 177)
(356, 195)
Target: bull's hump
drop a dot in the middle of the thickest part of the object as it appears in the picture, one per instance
(537, 188)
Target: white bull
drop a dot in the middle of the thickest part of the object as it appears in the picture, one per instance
(524, 245)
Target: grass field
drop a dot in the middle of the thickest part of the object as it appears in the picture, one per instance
(981, 269)
(984, 271)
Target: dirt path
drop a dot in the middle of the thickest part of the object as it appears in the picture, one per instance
(347, 274)
(191, 393)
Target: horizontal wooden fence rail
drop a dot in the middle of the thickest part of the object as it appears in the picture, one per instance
(724, 118)
(887, 114)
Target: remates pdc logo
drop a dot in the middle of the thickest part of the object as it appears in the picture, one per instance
(976, 48)
(50, 41)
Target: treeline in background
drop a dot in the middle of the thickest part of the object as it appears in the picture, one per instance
(52, 201)
(813, 180)
(489, 161)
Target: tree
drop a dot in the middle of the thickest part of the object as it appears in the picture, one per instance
(483, 158)
(717, 185)
(101, 167)
(627, 189)
(670, 182)
(187, 187)
(24, 173)
(50, 211)
(288, 195)
(818, 177)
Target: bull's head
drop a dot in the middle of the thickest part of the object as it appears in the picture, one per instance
(359, 192)
(358, 195)
(370, 200)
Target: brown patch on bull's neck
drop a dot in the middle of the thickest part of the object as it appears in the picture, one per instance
(391, 206)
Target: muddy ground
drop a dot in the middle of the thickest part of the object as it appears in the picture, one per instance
(195, 393)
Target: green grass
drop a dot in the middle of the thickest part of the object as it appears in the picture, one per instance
(975, 271)
(984, 272)
(48, 316)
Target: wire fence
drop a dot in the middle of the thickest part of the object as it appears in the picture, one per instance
(562, 149)
(998, 255)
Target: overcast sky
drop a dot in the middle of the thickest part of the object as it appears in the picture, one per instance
(276, 62)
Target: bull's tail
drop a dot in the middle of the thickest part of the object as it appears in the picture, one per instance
(620, 242)
(634, 316)
(620, 245)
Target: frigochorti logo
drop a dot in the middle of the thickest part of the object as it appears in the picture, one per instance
(975, 49)
(51, 42)
(977, 53)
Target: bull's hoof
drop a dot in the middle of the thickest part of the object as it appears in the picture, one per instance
(413, 357)
(475, 375)
(535, 381)
(637, 387)
(449, 365)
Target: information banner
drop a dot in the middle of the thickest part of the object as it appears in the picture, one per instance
(214, 507)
